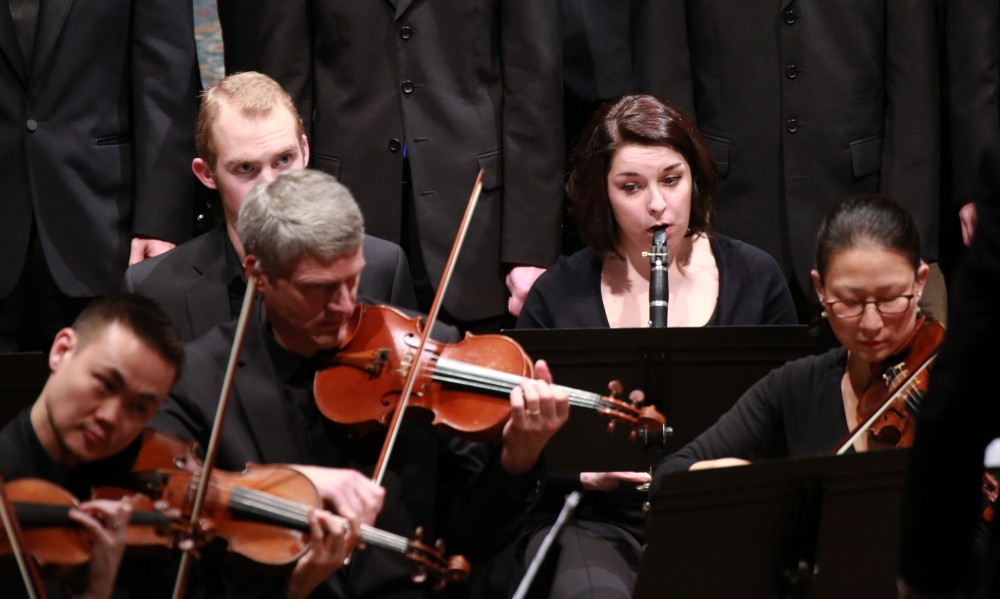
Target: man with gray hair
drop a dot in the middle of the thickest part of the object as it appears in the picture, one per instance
(302, 235)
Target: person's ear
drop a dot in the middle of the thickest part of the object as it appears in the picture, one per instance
(923, 271)
(305, 151)
(204, 173)
(251, 264)
(64, 343)
(817, 282)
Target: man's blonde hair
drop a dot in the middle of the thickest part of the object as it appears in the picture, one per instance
(254, 95)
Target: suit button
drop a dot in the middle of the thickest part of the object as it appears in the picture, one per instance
(790, 16)
(407, 87)
(395, 145)
(31, 124)
(791, 71)
(645, 507)
(406, 32)
(792, 126)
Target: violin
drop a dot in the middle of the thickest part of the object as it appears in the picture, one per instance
(888, 411)
(263, 511)
(53, 538)
(897, 400)
(465, 384)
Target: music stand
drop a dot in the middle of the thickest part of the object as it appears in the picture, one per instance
(692, 375)
(809, 527)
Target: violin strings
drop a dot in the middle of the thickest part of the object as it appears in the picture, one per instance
(447, 370)
(272, 509)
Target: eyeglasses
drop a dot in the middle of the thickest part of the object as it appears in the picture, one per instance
(886, 305)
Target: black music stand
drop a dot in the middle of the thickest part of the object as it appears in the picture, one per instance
(825, 527)
(692, 375)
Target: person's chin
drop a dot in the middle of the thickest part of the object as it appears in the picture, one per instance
(89, 450)
(325, 341)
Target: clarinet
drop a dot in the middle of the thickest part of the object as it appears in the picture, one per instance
(659, 257)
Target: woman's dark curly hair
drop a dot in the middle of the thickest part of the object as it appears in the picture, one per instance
(642, 120)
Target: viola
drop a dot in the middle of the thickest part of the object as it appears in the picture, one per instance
(465, 384)
(905, 382)
(263, 511)
(53, 538)
(888, 411)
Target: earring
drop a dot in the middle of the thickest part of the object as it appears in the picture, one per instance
(823, 314)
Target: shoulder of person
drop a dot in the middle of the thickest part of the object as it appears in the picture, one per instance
(174, 260)
(736, 250)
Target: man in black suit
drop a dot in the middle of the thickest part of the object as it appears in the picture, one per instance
(247, 132)
(972, 50)
(803, 102)
(97, 103)
(943, 498)
(405, 101)
(308, 268)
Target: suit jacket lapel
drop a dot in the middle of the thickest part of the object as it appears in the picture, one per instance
(51, 18)
(784, 4)
(9, 46)
(401, 7)
(207, 296)
(261, 396)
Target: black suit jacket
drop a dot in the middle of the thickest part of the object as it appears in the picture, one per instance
(455, 489)
(190, 281)
(240, 25)
(467, 85)
(803, 103)
(972, 47)
(943, 496)
(96, 136)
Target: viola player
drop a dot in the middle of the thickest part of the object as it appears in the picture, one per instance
(302, 233)
(110, 371)
(868, 278)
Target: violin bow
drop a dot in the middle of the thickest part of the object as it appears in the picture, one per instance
(29, 571)
(180, 583)
(411, 376)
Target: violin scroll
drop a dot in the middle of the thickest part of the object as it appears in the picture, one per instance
(434, 562)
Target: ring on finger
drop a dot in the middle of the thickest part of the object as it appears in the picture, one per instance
(533, 413)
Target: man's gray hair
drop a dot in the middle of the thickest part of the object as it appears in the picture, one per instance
(300, 212)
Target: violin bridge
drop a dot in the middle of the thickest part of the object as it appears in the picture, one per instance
(894, 375)
(406, 363)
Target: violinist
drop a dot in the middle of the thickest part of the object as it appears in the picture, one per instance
(868, 278)
(303, 232)
(110, 371)
(640, 162)
(248, 131)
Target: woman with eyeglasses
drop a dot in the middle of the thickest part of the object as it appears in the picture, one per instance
(868, 278)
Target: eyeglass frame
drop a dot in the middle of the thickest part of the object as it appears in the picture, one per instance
(909, 299)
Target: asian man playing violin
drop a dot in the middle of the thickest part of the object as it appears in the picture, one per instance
(110, 372)
(302, 234)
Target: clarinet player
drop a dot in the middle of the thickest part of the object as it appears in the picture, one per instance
(641, 170)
